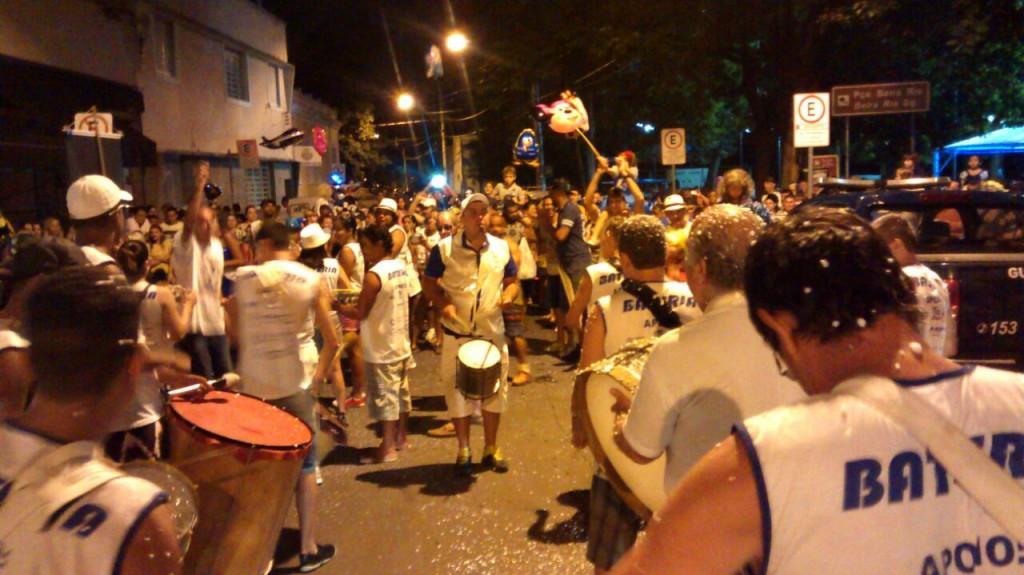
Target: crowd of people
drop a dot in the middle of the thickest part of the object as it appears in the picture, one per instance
(766, 304)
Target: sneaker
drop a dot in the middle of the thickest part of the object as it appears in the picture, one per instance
(313, 561)
(355, 402)
(464, 463)
(522, 378)
(495, 460)
(446, 430)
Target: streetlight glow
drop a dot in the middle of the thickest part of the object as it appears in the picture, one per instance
(405, 101)
(456, 42)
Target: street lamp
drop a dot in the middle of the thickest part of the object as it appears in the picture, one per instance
(456, 42)
(405, 101)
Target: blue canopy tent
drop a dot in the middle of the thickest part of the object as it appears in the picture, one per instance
(1002, 141)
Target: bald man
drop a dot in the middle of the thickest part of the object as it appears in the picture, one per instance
(198, 262)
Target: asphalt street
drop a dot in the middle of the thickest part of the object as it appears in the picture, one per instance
(416, 516)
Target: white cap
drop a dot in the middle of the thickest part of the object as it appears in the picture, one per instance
(313, 236)
(389, 205)
(429, 202)
(94, 195)
(674, 202)
(475, 197)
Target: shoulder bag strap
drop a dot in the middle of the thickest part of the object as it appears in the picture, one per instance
(992, 487)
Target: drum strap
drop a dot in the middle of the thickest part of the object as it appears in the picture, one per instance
(662, 312)
(51, 482)
(991, 486)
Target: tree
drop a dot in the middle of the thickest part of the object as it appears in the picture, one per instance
(357, 143)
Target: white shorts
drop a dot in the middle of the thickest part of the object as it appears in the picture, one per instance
(458, 405)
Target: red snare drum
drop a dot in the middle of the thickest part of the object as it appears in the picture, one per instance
(244, 455)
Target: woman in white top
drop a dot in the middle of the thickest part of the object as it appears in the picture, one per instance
(139, 432)
(352, 263)
(313, 241)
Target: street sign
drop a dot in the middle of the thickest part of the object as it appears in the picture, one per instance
(810, 120)
(878, 99)
(248, 154)
(690, 178)
(306, 155)
(673, 146)
(826, 166)
(93, 122)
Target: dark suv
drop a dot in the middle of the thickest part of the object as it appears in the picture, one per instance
(975, 242)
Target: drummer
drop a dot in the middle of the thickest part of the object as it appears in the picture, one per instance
(683, 408)
(86, 360)
(646, 304)
(470, 276)
(272, 303)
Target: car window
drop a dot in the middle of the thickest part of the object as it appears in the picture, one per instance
(962, 228)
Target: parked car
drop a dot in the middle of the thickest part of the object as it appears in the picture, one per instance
(975, 242)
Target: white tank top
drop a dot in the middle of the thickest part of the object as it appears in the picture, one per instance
(201, 270)
(604, 279)
(932, 305)
(626, 319)
(384, 334)
(329, 271)
(356, 277)
(275, 301)
(147, 405)
(405, 255)
(151, 317)
(86, 536)
(847, 491)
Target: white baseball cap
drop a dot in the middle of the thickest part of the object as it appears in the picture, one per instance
(475, 197)
(674, 202)
(389, 205)
(429, 203)
(313, 236)
(94, 195)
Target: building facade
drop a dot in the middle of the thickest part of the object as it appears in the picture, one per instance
(185, 80)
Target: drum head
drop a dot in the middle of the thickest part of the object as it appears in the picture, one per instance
(242, 419)
(180, 491)
(479, 354)
(641, 486)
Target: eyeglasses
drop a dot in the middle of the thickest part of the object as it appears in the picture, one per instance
(780, 364)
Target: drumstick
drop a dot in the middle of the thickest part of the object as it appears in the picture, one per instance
(228, 380)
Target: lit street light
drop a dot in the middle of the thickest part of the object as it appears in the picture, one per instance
(456, 42)
(405, 101)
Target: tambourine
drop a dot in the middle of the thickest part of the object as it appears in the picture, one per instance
(346, 296)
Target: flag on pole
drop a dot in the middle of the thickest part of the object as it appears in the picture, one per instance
(435, 68)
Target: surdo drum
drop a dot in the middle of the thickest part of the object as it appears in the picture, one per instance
(640, 486)
(245, 456)
(478, 369)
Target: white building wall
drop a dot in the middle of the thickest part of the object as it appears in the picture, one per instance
(72, 35)
(190, 114)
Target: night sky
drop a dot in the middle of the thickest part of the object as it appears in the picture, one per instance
(341, 54)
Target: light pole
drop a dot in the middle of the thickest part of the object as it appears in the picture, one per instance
(456, 42)
(742, 133)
